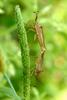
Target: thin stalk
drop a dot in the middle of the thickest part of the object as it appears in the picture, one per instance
(11, 86)
(25, 88)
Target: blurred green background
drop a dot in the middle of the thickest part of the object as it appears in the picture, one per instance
(52, 15)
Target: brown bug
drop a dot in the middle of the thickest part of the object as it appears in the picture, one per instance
(40, 37)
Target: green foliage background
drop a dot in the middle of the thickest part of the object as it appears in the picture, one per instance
(52, 83)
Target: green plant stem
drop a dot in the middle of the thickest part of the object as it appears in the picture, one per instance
(11, 86)
(25, 88)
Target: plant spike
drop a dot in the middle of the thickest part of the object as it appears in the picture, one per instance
(25, 55)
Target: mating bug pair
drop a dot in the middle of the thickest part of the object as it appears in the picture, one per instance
(40, 37)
